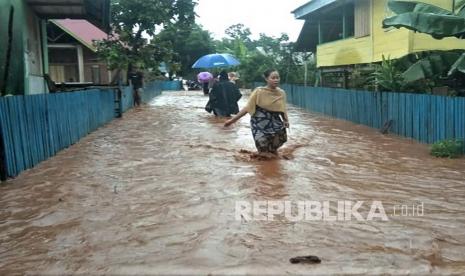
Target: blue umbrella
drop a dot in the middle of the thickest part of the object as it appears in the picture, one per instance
(216, 60)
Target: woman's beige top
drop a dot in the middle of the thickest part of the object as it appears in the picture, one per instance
(270, 99)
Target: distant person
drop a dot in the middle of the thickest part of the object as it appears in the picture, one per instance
(223, 97)
(212, 82)
(233, 76)
(205, 88)
(136, 78)
(269, 120)
(204, 78)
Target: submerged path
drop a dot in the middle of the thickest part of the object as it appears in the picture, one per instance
(155, 193)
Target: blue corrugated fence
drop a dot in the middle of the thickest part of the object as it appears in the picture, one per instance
(35, 127)
(426, 118)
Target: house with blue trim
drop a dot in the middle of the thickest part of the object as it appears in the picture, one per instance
(344, 34)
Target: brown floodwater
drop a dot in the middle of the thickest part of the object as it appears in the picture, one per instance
(156, 192)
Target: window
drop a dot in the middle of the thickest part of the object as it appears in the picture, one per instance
(96, 74)
(362, 18)
(337, 24)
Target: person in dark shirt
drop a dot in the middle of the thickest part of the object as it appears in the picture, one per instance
(136, 78)
(223, 97)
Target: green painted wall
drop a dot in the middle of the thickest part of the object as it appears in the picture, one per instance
(14, 83)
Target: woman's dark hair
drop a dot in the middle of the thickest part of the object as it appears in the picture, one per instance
(224, 75)
(268, 72)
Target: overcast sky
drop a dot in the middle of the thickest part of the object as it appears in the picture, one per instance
(271, 17)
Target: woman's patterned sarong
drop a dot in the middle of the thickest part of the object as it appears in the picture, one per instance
(268, 130)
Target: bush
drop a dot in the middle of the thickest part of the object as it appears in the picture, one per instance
(388, 77)
(447, 148)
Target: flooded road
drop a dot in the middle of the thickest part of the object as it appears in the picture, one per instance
(156, 193)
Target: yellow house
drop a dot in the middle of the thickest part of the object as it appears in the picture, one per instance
(348, 32)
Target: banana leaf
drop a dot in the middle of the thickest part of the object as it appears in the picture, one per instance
(460, 7)
(459, 66)
(400, 7)
(437, 22)
(426, 18)
(434, 65)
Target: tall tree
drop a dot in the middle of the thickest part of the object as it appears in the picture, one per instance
(240, 32)
(134, 21)
(188, 44)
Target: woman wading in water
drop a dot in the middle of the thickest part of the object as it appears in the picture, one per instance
(267, 108)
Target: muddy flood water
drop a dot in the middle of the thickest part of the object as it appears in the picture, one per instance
(156, 193)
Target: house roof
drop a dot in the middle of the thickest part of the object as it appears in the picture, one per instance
(96, 11)
(310, 7)
(81, 30)
(308, 37)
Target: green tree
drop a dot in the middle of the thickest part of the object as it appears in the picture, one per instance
(271, 52)
(239, 32)
(188, 44)
(133, 21)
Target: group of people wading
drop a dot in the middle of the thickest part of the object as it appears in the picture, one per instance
(266, 107)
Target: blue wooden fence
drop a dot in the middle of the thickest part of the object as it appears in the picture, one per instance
(151, 90)
(426, 118)
(127, 99)
(171, 85)
(154, 89)
(35, 127)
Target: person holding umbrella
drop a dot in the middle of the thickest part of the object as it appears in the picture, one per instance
(216, 60)
(268, 111)
(204, 78)
(223, 97)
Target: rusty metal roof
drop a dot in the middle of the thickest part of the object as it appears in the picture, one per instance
(81, 30)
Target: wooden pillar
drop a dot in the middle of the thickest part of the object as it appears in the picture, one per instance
(80, 57)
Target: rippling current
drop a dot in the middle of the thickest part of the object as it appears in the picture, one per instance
(156, 193)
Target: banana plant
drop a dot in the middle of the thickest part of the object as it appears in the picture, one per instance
(437, 22)
(427, 18)
(430, 64)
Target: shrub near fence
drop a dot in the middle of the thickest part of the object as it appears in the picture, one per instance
(426, 118)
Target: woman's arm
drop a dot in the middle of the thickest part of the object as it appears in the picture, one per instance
(285, 120)
(236, 117)
(284, 115)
